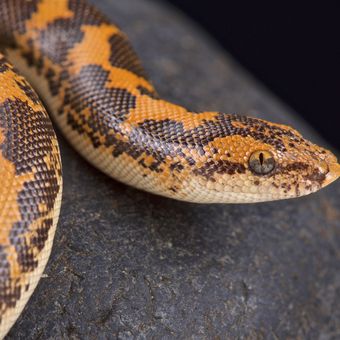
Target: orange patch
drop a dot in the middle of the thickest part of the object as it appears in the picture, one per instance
(235, 149)
(9, 89)
(149, 108)
(46, 14)
(95, 49)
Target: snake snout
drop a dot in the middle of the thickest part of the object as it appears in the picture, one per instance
(333, 173)
(336, 169)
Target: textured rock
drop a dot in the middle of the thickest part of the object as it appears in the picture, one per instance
(127, 264)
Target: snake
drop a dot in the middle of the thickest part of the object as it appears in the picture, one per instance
(92, 83)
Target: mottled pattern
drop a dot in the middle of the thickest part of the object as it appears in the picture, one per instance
(97, 91)
(18, 12)
(30, 172)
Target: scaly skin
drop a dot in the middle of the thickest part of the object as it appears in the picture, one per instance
(30, 192)
(99, 95)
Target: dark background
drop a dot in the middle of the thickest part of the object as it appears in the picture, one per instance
(292, 48)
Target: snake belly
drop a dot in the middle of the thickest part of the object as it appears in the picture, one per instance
(98, 93)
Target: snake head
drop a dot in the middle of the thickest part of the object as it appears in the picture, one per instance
(294, 168)
(260, 161)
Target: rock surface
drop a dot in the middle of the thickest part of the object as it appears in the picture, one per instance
(127, 264)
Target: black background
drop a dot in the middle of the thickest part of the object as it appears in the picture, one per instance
(292, 48)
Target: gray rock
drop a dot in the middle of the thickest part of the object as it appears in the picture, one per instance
(127, 264)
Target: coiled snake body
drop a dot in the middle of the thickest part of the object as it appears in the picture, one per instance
(95, 88)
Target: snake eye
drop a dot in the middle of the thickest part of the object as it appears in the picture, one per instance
(261, 162)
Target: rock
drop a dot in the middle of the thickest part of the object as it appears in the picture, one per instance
(127, 264)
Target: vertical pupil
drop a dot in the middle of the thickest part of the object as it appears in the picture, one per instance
(261, 158)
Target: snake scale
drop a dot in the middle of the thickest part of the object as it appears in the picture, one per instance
(97, 92)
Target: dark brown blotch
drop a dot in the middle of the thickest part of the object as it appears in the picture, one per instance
(123, 56)
(145, 92)
(210, 168)
(13, 20)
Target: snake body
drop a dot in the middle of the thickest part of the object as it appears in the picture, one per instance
(98, 93)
